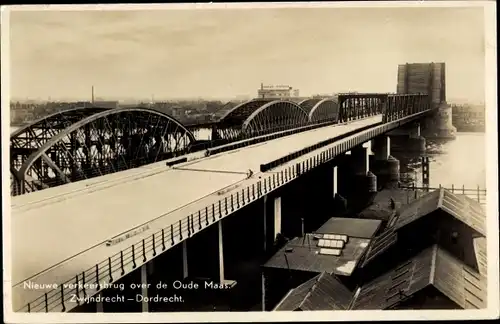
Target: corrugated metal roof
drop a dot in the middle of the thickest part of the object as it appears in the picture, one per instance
(353, 227)
(433, 266)
(397, 284)
(481, 256)
(459, 282)
(379, 245)
(296, 296)
(465, 209)
(461, 207)
(303, 254)
(418, 208)
(323, 292)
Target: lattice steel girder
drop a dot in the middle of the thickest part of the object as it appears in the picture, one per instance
(28, 139)
(103, 143)
(355, 105)
(401, 105)
(276, 115)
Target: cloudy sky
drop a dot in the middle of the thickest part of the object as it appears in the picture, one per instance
(224, 53)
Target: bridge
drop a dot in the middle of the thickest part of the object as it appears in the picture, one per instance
(100, 224)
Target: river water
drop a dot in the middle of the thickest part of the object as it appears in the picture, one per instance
(459, 162)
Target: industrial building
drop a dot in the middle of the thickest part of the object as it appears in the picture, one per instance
(277, 91)
(430, 255)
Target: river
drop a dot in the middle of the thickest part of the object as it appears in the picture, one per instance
(457, 162)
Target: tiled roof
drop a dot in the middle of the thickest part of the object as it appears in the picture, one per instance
(323, 292)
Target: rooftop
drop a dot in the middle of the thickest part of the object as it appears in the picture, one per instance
(333, 249)
(433, 266)
(461, 207)
(352, 227)
(322, 292)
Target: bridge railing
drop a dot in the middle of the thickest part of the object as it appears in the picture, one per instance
(415, 192)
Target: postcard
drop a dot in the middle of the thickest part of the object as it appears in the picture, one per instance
(250, 162)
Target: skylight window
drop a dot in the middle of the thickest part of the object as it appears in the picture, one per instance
(338, 244)
(326, 251)
(335, 237)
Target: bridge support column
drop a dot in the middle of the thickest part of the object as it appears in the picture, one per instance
(263, 287)
(385, 166)
(335, 178)
(408, 139)
(144, 287)
(99, 305)
(272, 225)
(221, 252)
(185, 272)
(366, 181)
(440, 123)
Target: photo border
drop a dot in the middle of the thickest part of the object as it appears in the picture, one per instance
(491, 182)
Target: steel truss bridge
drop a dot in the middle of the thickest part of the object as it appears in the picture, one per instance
(83, 143)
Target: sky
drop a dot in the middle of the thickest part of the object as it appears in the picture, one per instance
(227, 53)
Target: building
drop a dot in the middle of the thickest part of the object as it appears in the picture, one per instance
(431, 255)
(277, 91)
(106, 104)
(426, 78)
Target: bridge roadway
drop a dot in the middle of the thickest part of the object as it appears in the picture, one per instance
(59, 232)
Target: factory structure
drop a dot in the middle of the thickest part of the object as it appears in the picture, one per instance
(277, 91)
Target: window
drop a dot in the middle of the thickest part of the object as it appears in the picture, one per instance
(335, 252)
(331, 244)
(336, 237)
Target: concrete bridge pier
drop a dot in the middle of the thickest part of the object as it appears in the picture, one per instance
(272, 222)
(365, 182)
(203, 255)
(408, 139)
(440, 123)
(385, 166)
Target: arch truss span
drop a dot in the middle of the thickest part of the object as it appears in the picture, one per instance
(275, 116)
(321, 110)
(103, 143)
(261, 116)
(29, 138)
(229, 126)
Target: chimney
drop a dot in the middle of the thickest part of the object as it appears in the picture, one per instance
(302, 228)
(261, 86)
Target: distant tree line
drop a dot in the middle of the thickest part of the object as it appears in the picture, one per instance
(186, 111)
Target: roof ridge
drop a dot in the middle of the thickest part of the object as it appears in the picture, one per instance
(433, 263)
(310, 290)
